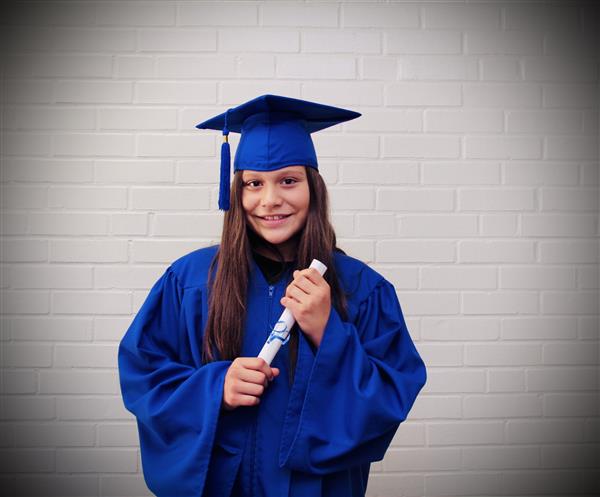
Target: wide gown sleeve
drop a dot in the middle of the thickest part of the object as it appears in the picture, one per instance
(176, 400)
(363, 382)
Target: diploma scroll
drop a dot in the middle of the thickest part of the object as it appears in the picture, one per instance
(281, 331)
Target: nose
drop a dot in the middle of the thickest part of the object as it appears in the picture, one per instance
(270, 196)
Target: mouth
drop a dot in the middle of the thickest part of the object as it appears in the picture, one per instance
(274, 220)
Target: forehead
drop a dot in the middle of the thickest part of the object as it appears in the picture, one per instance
(295, 170)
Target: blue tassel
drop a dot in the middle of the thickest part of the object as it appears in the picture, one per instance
(224, 184)
(225, 181)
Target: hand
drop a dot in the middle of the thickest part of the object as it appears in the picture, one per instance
(245, 381)
(308, 296)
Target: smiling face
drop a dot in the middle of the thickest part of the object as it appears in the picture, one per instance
(276, 205)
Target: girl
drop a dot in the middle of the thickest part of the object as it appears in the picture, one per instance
(214, 420)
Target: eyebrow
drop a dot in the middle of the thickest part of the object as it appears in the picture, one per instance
(260, 174)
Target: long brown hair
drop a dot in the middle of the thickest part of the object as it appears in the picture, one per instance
(230, 269)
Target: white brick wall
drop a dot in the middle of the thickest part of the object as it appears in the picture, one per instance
(471, 182)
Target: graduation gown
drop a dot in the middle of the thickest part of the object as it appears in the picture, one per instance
(314, 437)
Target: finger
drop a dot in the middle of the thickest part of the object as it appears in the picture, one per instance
(313, 275)
(252, 376)
(247, 400)
(249, 389)
(304, 284)
(294, 293)
(257, 364)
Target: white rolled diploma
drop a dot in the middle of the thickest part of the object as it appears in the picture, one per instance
(281, 331)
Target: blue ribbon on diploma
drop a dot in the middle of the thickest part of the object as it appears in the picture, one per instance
(279, 332)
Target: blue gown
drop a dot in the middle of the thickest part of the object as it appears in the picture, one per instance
(315, 437)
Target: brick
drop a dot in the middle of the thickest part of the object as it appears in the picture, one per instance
(498, 224)
(68, 224)
(587, 327)
(452, 329)
(126, 277)
(58, 486)
(129, 224)
(351, 94)
(506, 381)
(423, 94)
(118, 485)
(51, 329)
(55, 435)
(351, 198)
(570, 95)
(48, 170)
(438, 67)
(13, 224)
(118, 435)
(555, 69)
(158, 251)
(538, 328)
(543, 174)
(430, 459)
(137, 119)
(465, 433)
(27, 461)
(346, 145)
(588, 278)
(443, 355)
(343, 224)
(87, 198)
(452, 381)
(546, 121)
(256, 66)
(467, 278)
(543, 431)
(380, 225)
(28, 91)
(557, 482)
(173, 146)
(497, 251)
(361, 249)
(186, 225)
(25, 277)
(498, 354)
(541, 17)
(500, 303)
(438, 226)
(568, 251)
(180, 92)
(502, 406)
(460, 173)
(91, 303)
(558, 225)
(571, 147)
(96, 460)
(537, 278)
(18, 382)
(415, 200)
(209, 66)
(471, 121)
(26, 143)
(263, 40)
(420, 41)
(570, 456)
(88, 250)
(500, 68)
(131, 14)
(138, 172)
(178, 198)
(72, 66)
(55, 118)
(498, 458)
(110, 328)
(570, 379)
(28, 408)
(421, 146)
(461, 16)
(409, 434)
(316, 66)
(502, 147)
(570, 404)
(437, 407)
(504, 42)
(415, 251)
(134, 66)
(379, 173)
(105, 145)
(24, 302)
(490, 95)
(78, 381)
(419, 303)
(346, 41)
(384, 68)
(87, 92)
(216, 14)
(24, 197)
(85, 356)
(383, 485)
(392, 16)
(85, 408)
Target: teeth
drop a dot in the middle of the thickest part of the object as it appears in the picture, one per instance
(274, 218)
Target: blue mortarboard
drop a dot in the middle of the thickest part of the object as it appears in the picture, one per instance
(275, 133)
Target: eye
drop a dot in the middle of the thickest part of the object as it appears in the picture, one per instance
(253, 183)
(289, 181)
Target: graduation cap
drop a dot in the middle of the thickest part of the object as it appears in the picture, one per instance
(275, 133)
